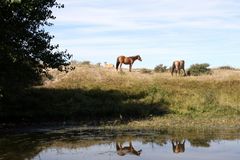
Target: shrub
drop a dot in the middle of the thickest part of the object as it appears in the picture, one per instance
(226, 67)
(198, 69)
(85, 62)
(160, 68)
(75, 62)
(98, 64)
(144, 70)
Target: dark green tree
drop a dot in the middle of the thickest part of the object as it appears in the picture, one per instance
(199, 69)
(25, 46)
(160, 68)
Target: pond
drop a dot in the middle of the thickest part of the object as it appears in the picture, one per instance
(106, 144)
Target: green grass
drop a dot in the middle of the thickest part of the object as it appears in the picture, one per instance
(95, 93)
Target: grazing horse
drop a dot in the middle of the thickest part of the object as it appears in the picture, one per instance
(127, 60)
(178, 146)
(177, 66)
(122, 151)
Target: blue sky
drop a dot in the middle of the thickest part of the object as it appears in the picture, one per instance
(198, 31)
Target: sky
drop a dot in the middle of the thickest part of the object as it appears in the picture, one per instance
(160, 31)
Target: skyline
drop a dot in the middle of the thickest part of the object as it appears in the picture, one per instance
(161, 31)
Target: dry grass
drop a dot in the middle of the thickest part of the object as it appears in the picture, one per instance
(105, 93)
(91, 76)
(212, 95)
(183, 122)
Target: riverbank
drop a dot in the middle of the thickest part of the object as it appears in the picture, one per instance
(137, 100)
(71, 140)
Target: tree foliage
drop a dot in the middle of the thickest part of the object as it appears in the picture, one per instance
(160, 68)
(226, 67)
(25, 46)
(198, 69)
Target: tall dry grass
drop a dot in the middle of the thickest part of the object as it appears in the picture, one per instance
(209, 95)
(103, 93)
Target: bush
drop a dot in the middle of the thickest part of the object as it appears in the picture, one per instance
(226, 67)
(85, 63)
(198, 69)
(144, 70)
(74, 62)
(160, 68)
(98, 64)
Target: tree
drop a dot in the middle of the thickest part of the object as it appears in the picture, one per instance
(198, 69)
(25, 46)
(160, 68)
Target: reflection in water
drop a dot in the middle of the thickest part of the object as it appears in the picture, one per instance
(102, 145)
(178, 146)
(122, 151)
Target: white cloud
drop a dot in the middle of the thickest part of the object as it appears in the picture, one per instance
(150, 14)
(181, 29)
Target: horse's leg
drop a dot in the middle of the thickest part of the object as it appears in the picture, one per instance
(184, 72)
(117, 146)
(130, 144)
(130, 67)
(173, 146)
(120, 66)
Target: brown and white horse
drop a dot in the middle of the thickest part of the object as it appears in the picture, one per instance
(177, 66)
(127, 60)
(178, 146)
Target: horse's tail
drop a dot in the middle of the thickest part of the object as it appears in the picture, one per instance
(183, 67)
(173, 68)
(117, 64)
(183, 64)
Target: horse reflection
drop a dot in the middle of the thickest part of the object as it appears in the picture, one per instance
(178, 146)
(122, 151)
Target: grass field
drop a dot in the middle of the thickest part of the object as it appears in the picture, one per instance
(91, 93)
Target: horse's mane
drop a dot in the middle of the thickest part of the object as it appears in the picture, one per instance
(134, 56)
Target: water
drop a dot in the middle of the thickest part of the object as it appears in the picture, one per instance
(98, 144)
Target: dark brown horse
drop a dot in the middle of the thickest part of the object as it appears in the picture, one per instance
(122, 151)
(127, 60)
(178, 146)
(177, 66)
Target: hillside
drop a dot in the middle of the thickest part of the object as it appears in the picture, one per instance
(97, 93)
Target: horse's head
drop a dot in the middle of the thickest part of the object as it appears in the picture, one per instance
(137, 152)
(178, 146)
(139, 58)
